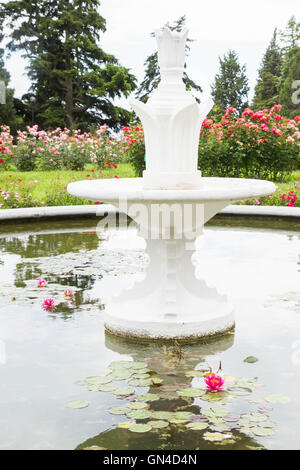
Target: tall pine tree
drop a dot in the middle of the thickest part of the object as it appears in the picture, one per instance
(152, 75)
(230, 87)
(74, 81)
(289, 96)
(290, 37)
(266, 92)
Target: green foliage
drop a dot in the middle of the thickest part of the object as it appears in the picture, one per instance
(152, 75)
(267, 87)
(290, 83)
(231, 85)
(291, 35)
(257, 145)
(135, 149)
(74, 81)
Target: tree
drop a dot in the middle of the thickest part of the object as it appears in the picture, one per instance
(291, 35)
(74, 81)
(289, 96)
(266, 92)
(231, 85)
(152, 75)
(8, 113)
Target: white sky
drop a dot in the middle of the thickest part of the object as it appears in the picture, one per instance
(216, 26)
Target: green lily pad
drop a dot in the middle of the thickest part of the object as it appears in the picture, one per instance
(138, 414)
(120, 374)
(220, 427)
(140, 428)
(118, 410)
(106, 388)
(140, 382)
(120, 365)
(197, 426)
(192, 392)
(262, 432)
(195, 373)
(183, 414)
(156, 380)
(138, 365)
(251, 359)
(162, 415)
(98, 380)
(148, 397)
(77, 404)
(158, 424)
(240, 391)
(137, 405)
(123, 391)
(216, 436)
(140, 376)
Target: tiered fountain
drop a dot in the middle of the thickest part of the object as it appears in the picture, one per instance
(170, 204)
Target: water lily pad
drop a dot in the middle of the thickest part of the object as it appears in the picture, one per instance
(140, 382)
(156, 380)
(148, 397)
(195, 373)
(216, 436)
(159, 424)
(277, 398)
(162, 415)
(98, 380)
(123, 391)
(138, 365)
(140, 428)
(137, 405)
(231, 418)
(263, 432)
(106, 388)
(220, 427)
(197, 426)
(251, 359)
(126, 425)
(120, 365)
(192, 392)
(120, 374)
(76, 404)
(240, 391)
(141, 376)
(118, 410)
(138, 414)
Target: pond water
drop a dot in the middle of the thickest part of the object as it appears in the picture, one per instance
(67, 384)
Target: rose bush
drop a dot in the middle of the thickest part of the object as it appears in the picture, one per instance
(260, 144)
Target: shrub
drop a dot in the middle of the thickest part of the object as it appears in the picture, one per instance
(260, 144)
(134, 146)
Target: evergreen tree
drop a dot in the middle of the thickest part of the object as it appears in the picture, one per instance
(267, 88)
(74, 81)
(291, 35)
(152, 75)
(289, 96)
(8, 112)
(230, 87)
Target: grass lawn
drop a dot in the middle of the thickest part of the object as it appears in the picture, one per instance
(48, 188)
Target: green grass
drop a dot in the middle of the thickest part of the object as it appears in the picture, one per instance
(50, 188)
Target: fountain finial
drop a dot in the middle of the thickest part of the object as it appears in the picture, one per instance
(171, 120)
(171, 47)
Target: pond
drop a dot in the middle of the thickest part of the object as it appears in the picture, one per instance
(68, 384)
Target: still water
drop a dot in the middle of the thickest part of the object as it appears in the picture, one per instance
(49, 359)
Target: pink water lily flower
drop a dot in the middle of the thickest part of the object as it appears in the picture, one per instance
(214, 382)
(42, 283)
(49, 305)
(68, 293)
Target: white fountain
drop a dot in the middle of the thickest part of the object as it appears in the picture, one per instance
(170, 204)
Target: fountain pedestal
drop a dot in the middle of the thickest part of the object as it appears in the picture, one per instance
(170, 205)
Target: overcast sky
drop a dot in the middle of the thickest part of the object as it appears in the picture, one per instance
(216, 26)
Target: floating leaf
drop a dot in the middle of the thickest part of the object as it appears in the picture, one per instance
(258, 431)
(231, 418)
(197, 426)
(195, 373)
(77, 404)
(120, 365)
(158, 424)
(123, 391)
(192, 392)
(157, 380)
(138, 414)
(98, 380)
(138, 365)
(251, 359)
(240, 391)
(120, 375)
(216, 436)
(162, 415)
(140, 382)
(140, 428)
(141, 376)
(126, 425)
(106, 388)
(148, 397)
(118, 410)
(220, 427)
(137, 405)
(277, 398)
